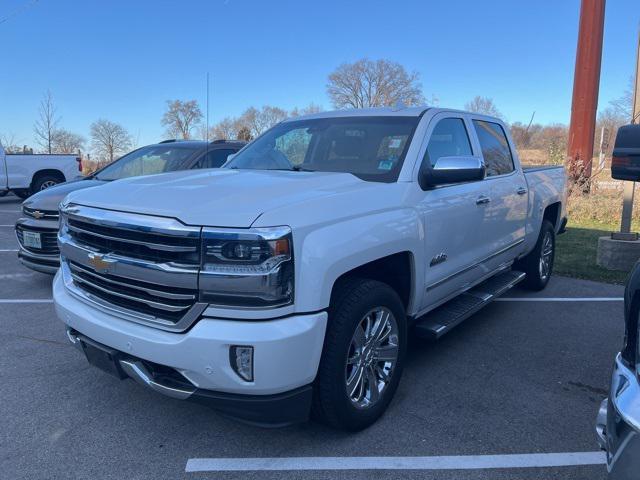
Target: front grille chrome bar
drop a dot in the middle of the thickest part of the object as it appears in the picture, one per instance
(150, 291)
(155, 246)
(188, 319)
(161, 306)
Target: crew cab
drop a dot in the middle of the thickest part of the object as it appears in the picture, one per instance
(37, 229)
(25, 174)
(288, 281)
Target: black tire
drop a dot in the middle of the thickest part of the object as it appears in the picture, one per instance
(350, 305)
(22, 193)
(45, 181)
(538, 277)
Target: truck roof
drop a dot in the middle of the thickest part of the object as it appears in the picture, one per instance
(366, 112)
(383, 112)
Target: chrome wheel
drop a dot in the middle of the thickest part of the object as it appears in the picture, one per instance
(546, 256)
(372, 357)
(47, 184)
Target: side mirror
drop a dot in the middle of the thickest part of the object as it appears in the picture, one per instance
(625, 162)
(453, 170)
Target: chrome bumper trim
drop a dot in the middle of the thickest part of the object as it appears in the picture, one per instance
(138, 372)
(601, 424)
(625, 394)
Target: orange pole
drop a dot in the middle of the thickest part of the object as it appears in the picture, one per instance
(586, 83)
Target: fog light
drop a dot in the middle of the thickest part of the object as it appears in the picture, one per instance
(241, 359)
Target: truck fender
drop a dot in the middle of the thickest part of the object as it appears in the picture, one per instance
(329, 252)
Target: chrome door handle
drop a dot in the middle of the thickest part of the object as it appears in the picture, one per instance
(521, 191)
(482, 200)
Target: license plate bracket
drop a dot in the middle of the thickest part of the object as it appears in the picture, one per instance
(103, 357)
(32, 239)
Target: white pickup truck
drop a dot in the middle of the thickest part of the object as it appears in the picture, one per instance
(25, 174)
(287, 282)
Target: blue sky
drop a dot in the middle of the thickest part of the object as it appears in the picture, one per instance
(122, 59)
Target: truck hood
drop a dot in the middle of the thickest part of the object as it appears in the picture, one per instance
(217, 197)
(50, 198)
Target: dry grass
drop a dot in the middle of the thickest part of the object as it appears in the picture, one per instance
(534, 157)
(602, 207)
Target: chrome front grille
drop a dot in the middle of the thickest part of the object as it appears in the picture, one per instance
(142, 267)
(48, 240)
(39, 214)
(152, 246)
(147, 298)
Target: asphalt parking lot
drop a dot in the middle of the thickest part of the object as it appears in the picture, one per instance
(521, 377)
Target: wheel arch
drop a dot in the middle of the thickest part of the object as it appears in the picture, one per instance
(396, 270)
(552, 213)
(47, 172)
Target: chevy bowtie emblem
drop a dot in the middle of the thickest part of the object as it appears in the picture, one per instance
(99, 263)
(37, 214)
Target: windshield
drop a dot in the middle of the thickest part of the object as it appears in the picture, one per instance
(372, 148)
(147, 161)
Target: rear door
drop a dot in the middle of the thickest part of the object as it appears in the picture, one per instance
(506, 210)
(454, 215)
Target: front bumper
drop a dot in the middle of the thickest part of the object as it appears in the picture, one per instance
(618, 424)
(286, 350)
(275, 410)
(40, 263)
(46, 259)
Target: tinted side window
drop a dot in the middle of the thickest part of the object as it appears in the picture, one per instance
(215, 158)
(495, 148)
(448, 139)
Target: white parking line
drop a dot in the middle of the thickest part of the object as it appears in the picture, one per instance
(8, 250)
(10, 225)
(471, 462)
(559, 299)
(26, 300)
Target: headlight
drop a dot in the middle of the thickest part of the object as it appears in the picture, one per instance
(250, 268)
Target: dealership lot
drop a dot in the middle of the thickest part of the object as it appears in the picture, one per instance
(521, 377)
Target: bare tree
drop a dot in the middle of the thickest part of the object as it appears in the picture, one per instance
(64, 141)
(10, 143)
(308, 110)
(623, 106)
(259, 121)
(254, 122)
(225, 129)
(181, 117)
(483, 105)
(109, 140)
(244, 134)
(47, 123)
(368, 83)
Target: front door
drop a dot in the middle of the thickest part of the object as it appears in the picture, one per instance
(454, 215)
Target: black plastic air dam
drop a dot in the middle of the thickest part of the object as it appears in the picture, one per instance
(269, 411)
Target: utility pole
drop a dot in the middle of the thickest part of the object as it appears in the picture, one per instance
(629, 187)
(586, 83)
